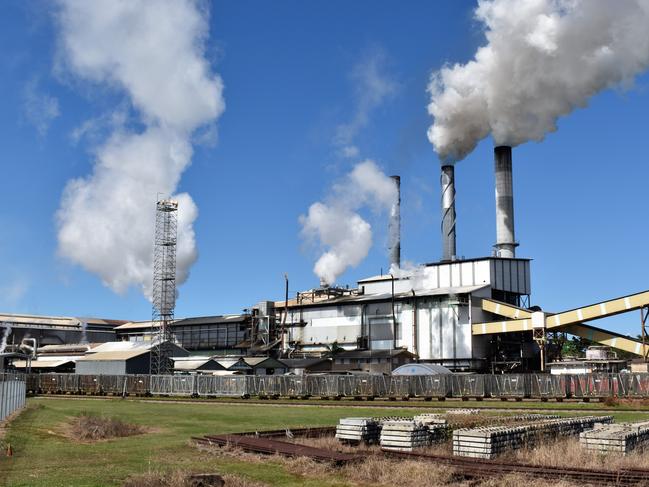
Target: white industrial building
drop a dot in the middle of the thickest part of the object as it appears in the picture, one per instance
(429, 311)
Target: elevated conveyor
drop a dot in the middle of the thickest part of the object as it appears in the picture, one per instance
(571, 321)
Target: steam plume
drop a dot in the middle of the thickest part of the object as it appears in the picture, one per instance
(153, 51)
(345, 235)
(542, 60)
(5, 336)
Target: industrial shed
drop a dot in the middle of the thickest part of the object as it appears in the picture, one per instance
(196, 365)
(118, 358)
(375, 361)
(115, 363)
(265, 365)
(301, 366)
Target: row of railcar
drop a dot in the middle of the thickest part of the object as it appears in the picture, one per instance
(465, 386)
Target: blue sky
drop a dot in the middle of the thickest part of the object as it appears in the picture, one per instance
(287, 67)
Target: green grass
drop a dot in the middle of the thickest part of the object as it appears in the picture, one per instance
(497, 404)
(44, 457)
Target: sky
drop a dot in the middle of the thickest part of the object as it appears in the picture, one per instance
(310, 89)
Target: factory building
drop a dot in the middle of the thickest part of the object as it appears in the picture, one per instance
(213, 335)
(56, 330)
(428, 313)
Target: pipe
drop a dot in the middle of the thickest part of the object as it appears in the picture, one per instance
(447, 180)
(415, 338)
(394, 228)
(505, 236)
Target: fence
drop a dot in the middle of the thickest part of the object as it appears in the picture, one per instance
(478, 386)
(12, 393)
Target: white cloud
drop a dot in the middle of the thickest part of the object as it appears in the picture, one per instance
(12, 293)
(39, 108)
(153, 51)
(345, 237)
(372, 87)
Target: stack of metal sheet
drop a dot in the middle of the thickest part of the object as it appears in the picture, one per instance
(358, 430)
(618, 438)
(404, 435)
(488, 442)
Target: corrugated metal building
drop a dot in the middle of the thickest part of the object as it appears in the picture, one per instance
(117, 358)
(428, 311)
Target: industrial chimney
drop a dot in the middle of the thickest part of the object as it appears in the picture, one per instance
(395, 227)
(448, 212)
(505, 240)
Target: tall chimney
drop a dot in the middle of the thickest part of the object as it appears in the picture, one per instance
(505, 239)
(448, 212)
(395, 227)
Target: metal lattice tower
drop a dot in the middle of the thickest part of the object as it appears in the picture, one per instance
(164, 285)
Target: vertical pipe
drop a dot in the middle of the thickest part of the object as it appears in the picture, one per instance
(395, 228)
(448, 212)
(505, 236)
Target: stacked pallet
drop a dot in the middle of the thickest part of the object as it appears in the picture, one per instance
(466, 411)
(404, 435)
(489, 442)
(429, 419)
(617, 438)
(358, 430)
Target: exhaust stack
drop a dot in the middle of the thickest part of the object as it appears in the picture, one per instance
(505, 237)
(448, 213)
(395, 228)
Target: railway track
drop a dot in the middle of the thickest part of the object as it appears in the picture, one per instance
(472, 467)
(265, 442)
(256, 444)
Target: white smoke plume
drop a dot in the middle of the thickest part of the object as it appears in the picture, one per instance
(5, 336)
(543, 59)
(345, 236)
(154, 52)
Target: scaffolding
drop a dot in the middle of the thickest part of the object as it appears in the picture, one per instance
(164, 286)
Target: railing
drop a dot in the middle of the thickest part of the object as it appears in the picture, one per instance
(478, 386)
(12, 393)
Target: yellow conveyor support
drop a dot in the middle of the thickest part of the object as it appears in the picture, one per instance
(605, 337)
(569, 321)
(587, 313)
(503, 309)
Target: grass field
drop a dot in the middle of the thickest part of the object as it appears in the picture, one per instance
(44, 456)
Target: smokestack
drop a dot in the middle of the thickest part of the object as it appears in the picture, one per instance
(448, 212)
(505, 239)
(395, 227)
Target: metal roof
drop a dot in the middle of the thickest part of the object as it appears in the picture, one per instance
(363, 298)
(193, 364)
(122, 355)
(421, 369)
(208, 320)
(262, 362)
(199, 320)
(232, 363)
(137, 325)
(42, 364)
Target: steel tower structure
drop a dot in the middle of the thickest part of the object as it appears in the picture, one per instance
(164, 285)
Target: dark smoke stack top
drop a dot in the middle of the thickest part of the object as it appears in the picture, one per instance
(395, 227)
(505, 237)
(447, 181)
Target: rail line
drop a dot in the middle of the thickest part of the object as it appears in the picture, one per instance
(477, 467)
(264, 442)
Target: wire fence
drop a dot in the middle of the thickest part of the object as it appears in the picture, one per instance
(478, 386)
(12, 393)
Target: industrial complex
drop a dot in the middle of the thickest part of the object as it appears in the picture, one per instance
(468, 315)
